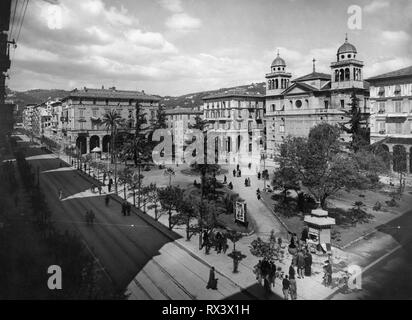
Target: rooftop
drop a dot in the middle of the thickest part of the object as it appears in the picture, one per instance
(313, 76)
(180, 110)
(234, 94)
(111, 93)
(404, 72)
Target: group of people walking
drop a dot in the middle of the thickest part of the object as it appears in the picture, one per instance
(90, 217)
(266, 273)
(126, 208)
(217, 240)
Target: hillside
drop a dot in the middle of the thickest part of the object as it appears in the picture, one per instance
(195, 99)
(24, 98)
(34, 96)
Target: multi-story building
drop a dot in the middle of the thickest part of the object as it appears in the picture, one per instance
(236, 118)
(28, 117)
(83, 111)
(182, 117)
(293, 107)
(391, 113)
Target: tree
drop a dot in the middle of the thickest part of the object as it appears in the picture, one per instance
(125, 177)
(113, 121)
(399, 165)
(207, 214)
(170, 199)
(268, 250)
(170, 173)
(285, 178)
(153, 199)
(319, 162)
(186, 213)
(356, 125)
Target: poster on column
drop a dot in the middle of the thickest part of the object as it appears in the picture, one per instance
(240, 212)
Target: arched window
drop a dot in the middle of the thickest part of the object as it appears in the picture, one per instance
(270, 85)
(336, 75)
(276, 84)
(347, 74)
(341, 75)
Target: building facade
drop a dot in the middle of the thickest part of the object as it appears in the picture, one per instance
(237, 120)
(391, 114)
(293, 107)
(83, 111)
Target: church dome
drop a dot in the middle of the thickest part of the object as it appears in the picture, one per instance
(347, 47)
(278, 62)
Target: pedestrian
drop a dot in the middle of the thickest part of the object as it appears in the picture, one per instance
(234, 172)
(327, 268)
(249, 165)
(205, 238)
(285, 287)
(106, 200)
(218, 242)
(248, 182)
(239, 173)
(128, 208)
(104, 177)
(230, 185)
(305, 234)
(258, 175)
(224, 243)
(225, 179)
(123, 209)
(272, 273)
(308, 264)
(212, 283)
(100, 189)
(237, 167)
(109, 187)
(87, 216)
(293, 289)
(300, 261)
(292, 271)
(92, 216)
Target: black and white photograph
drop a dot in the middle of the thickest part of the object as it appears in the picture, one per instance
(205, 154)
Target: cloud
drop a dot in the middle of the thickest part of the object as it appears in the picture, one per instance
(399, 37)
(183, 22)
(375, 6)
(179, 21)
(172, 5)
(384, 65)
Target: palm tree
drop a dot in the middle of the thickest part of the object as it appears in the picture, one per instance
(112, 120)
(169, 172)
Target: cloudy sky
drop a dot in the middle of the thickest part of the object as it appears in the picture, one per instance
(173, 47)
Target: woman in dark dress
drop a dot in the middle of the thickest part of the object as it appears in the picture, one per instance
(212, 283)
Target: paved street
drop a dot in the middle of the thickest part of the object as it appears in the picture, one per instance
(126, 246)
(389, 252)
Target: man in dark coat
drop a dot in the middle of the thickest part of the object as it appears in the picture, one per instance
(300, 261)
(308, 264)
(123, 208)
(212, 283)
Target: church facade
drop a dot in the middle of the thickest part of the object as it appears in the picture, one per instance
(293, 107)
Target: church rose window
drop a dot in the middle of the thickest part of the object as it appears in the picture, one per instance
(298, 103)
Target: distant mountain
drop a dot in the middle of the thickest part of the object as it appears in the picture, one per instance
(23, 98)
(34, 96)
(195, 99)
